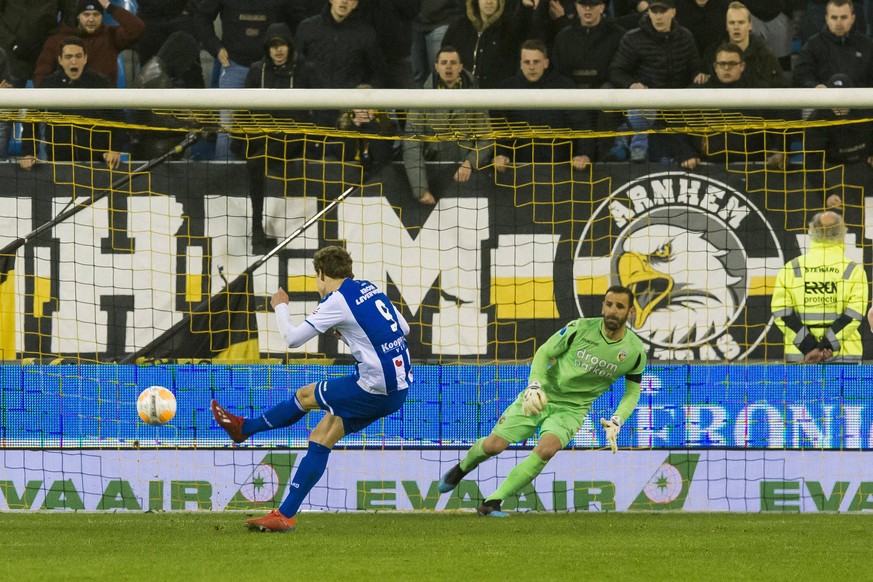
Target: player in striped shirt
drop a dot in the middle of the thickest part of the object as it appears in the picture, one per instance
(575, 366)
(374, 330)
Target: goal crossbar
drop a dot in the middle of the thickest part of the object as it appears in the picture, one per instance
(606, 99)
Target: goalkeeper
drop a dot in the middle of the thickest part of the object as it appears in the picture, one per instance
(575, 366)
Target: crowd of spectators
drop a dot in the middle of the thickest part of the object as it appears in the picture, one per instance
(443, 44)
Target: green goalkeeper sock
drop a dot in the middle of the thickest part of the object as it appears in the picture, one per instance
(475, 455)
(521, 475)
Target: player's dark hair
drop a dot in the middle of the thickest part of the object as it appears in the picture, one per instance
(535, 44)
(334, 262)
(447, 49)
(72, 41)
(729, 47)
(622, 290)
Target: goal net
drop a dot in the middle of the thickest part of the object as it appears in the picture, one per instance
(487, 232)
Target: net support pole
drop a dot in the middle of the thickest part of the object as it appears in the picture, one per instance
(300, 230)
(73, 210)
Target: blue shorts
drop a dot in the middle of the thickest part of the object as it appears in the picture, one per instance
(356, 407)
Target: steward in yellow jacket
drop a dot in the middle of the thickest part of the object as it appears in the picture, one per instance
(821, 297)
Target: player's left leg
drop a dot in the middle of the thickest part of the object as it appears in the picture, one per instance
(322, 439)
(350, 409)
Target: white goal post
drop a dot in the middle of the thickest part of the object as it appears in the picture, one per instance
(606, 99)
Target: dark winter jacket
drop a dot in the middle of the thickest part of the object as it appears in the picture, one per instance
(293, 74)
(544, 149)
(81, 142)
(825, 54)
(161, 9)
(243, 25)
(584, 54)
(392, 21)
(490, 50)
(548, 28)
(175, 66)
(851, 143)
(343, 54)
(766, 10)
(24, 27)
(735, 146)
(660, 60)
(705, 22)
(436, 13)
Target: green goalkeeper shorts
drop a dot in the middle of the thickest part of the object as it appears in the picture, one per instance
(556, 419)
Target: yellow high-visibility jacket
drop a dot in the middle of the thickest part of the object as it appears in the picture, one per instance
(821, 294)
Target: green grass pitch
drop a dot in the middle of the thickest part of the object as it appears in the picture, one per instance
(436, 546)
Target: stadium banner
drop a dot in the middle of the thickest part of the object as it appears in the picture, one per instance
(491, 271)
(722, 406)
(252, 479)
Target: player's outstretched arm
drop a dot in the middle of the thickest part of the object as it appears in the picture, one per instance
(294, 336)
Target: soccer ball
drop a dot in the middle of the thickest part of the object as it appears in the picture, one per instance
(156, 405)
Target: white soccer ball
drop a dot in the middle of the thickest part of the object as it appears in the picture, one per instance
(156, 405)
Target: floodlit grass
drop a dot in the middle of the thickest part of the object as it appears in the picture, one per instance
(441, 546)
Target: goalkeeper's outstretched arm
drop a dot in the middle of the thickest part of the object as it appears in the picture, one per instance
(622, 413)
(630, 399)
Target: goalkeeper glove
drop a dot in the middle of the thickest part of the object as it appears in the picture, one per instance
(533, 399)
(612, 427)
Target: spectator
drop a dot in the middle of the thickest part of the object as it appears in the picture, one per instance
(761, 67)
(278, 69)
(67, 141)
(628, 12)
(243, 28)
(553, 16)
(770, 18)
(175, 66)
(24, 28)
(843, 143)
(814, 11)
(449, 73)
(428, 30)
(489, 37)
(341, 48)
(371, 153)
(534, 73)
(311, 8)
(392, 21)
(102, 42)
(583, 52)
(838, 48)
(736, 145)
(162, 18)
(659, 54)
(820, 297)
(704, 18)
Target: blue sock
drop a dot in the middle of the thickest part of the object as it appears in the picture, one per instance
(308, 473)
(283, 414)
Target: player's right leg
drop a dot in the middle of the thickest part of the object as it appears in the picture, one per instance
(329, 430)
(482, 450)
(512, 427)
(283, 414)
